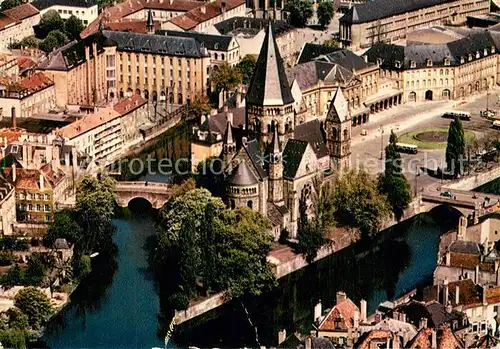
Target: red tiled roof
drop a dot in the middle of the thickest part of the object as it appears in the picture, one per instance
(130, 26)
(25, 63)
(35, 82)
(21, 12)
(128, 104)
(374, 335)
(493, 295)
(53, 176)
(340, 317)
(6, 21)
(204, 13)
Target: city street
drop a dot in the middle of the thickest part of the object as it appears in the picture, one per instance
(367, 150)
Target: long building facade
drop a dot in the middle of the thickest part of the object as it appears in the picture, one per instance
(386, 21)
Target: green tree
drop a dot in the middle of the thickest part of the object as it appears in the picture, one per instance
(13, 339)
(74, 27)
(51, 20)
(17, 319)
(455, 148)
(189, 261)
(64, 226)
(310, 234)
(35, 304)
(8, 4)
(54, 40)
(82, 266)
(358, 203)
(38, 266)
(246, 68)
(325, 13)
(300, 12)
(393, 183)
(225, 78)
(14, 276)
(200, 106)
(208, 253)
(28, 41)
(331, 43)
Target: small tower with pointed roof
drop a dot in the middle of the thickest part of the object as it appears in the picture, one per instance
(275, 170)
(269, 98)
(150, 23)
(229, 145)
(242, 187)
(338, 133)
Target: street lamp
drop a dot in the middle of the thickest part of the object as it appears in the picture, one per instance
(417, 168)
(381, 143)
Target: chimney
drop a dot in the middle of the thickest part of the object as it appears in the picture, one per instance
(340, 297)
(318, 310)
(229, 116)
(41, 182)
(203, 9)
(378, 317)
(14, 121)
(476, 275)
(281, 336)
(438, 289)
(457, 294)
(226, 108)
(356, 319)
(238, 99)
(14, 173)
(423, 323)
(434, 339)
(445, 291)
(462, 228)
(485, 302)
(362, 307)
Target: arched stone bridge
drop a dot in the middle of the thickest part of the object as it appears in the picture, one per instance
(154, 192)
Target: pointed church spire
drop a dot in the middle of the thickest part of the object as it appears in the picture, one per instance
(339, 109)
(276, 141)
(269, 85)
(150, 23)
(228, 137)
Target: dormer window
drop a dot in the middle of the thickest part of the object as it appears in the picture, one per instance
(477, 54)
(470, 57)
(429, 63)
(446, 61)
(397, 64)
(462, 60)
(485, 53)
(413, 64)
(379, 61)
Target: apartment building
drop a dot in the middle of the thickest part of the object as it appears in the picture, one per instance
(107, 133)
(386, 21)
(27, 96)
(7, 207)
(250, 33)
(222, 48)
(17, 23)
(451, 70)
(85, 10)
(155, 66)
(206, 15)
(9, 65)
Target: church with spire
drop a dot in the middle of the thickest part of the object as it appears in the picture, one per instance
(271, 159)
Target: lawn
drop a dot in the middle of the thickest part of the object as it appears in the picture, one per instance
(410, 138)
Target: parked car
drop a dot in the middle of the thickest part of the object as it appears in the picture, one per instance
(447, 194)
(488, 113)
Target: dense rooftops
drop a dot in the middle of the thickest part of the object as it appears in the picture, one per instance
(250, 26)
(24, 87)
(205, 12)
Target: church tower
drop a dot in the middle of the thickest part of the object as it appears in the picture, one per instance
(229, 145)
(275, 170)
(269, 99)
(338, 133)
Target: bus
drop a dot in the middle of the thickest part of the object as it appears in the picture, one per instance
(453, 114)
(496, 125)
(406, 148)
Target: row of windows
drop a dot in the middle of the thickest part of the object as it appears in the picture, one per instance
(35, 207)
(33, 196)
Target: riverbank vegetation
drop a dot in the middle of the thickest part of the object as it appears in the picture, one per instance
(204, 248)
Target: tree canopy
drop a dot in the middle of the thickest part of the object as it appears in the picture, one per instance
(300, 12)
(74, 27)
(51, 20)
(246, 68)
(54, 40)
(64, 226)
(225, 77)
(35, 304)
(325, 13)
(8, 4)
(455, 148)
(200, 106)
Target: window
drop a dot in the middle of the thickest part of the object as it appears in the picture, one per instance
(398, 64)
(429, 64)
(446, 61)
(413, 64)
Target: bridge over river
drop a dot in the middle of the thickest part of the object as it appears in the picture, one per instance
(155, 192)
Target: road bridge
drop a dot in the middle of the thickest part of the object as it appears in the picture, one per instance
(155, 192)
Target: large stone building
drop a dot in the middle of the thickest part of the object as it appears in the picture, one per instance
(273, 182)
(111, 65)
(85, 10)
(372, 22)
(450, 70)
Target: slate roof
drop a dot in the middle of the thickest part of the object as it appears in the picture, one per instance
(246, 25)
(310, 73)
(465, 247)
(269, 85)
(311, 132)
(155, 44)
(211, 42)
(241, 175)
(205, 12)
(346, 59)
(292, 156)
(378, 9)
(454, 51)
(310, 51)
(43, 4)
(256, 156)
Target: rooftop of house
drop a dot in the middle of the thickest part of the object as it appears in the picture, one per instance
(246, 26)
(129, 104)
(22, 11)
(155, 44)
(5, 187)
(205, 12)
(312, 133)
(378, 9)
(26, 86)
(445, 339)
(25, 63)
(340, 317)
(433, 311)
(44, 4)
(310, 51)
(365, 341)
(487, 341)
(211, 42)
(130, 25)
(347, 59)
(310, 73)
(470, 295)
(28, 179)
(6, 21)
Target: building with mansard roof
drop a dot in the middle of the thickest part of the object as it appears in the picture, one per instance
(271, 157)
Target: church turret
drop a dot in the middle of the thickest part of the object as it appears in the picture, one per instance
(150, 23)
(275, 170)
(269, 97)
(338, 133)
(229, 145)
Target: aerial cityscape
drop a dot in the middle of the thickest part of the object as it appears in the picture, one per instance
(249, 174)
